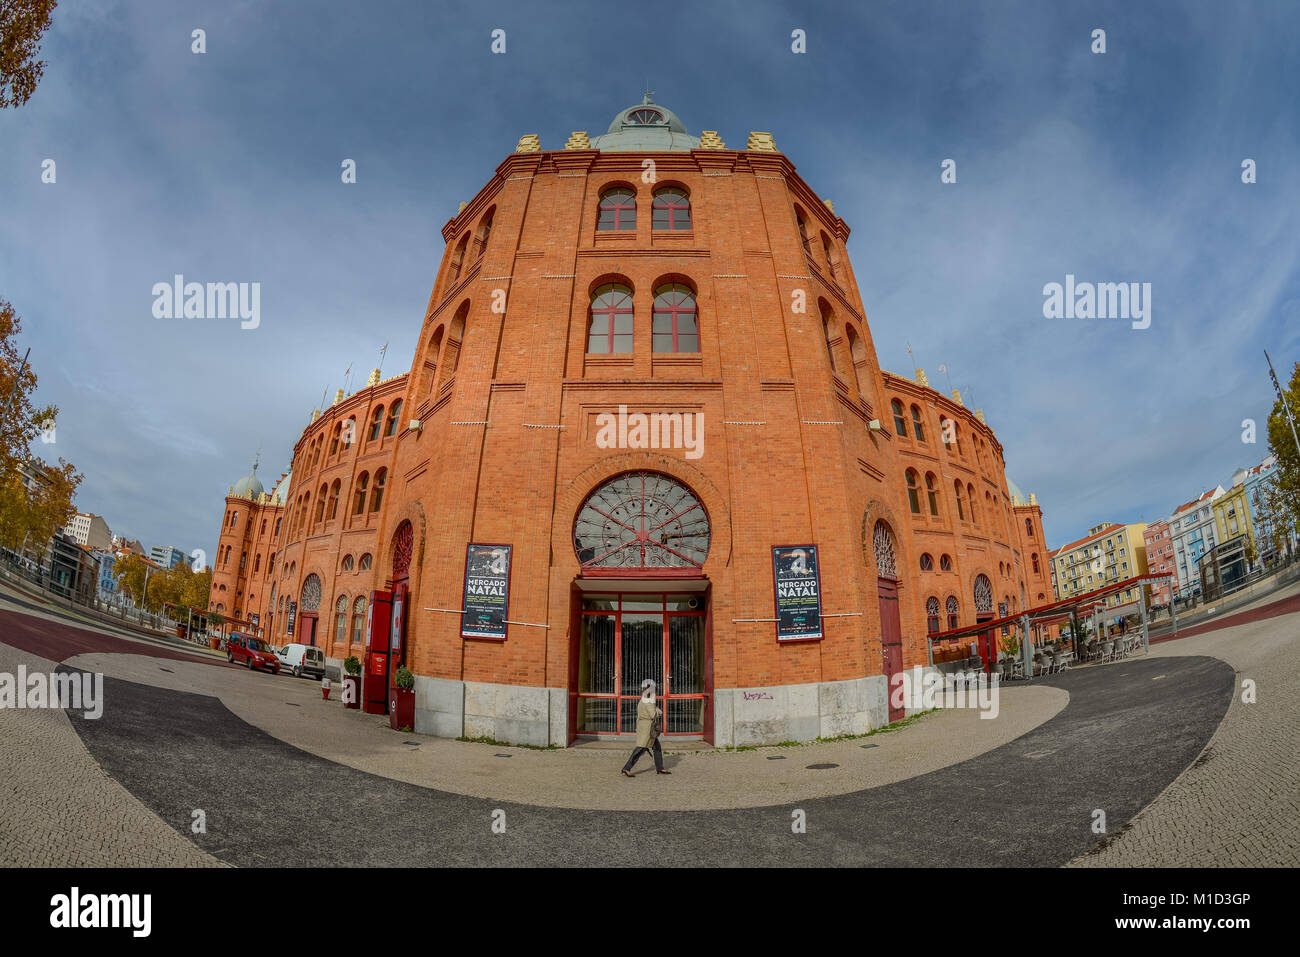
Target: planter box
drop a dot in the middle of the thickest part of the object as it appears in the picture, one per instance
(214, 644)
(401, 709)
(352, 691)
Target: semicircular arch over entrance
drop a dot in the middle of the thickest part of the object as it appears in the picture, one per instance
(642, 520)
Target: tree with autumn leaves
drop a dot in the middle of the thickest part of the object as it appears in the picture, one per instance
(1282, 495)
(27, 518)
(181, 587)
(22, 24)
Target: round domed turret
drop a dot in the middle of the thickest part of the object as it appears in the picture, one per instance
(646, 127)
(248, 485)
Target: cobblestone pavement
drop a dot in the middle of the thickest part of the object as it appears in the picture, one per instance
(1026, 802)
(60, 808)
(1238, 805)
(1124, 743)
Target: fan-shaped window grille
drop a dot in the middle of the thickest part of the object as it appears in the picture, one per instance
(882, 543)
(311, 594)
(402, 544)
(642, 520)
(983, 595)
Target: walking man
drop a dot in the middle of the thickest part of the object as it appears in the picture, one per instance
(649, 724)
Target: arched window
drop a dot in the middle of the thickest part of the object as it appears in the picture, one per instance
(394, 418)
(334, 499)
(952, 612)
(365, 563)
(673, 325)
(376, 423)
(855, 349)
(243, 557)
(829, 249)
(458, 258)
(900, 423)
(334, 440)
(610, 330)
(932, 615)
(858, 354)
(983, 595)
(803, 230)
(349, 432)
(359, 494)
(916, 424)
(641, 520)
(974, 515)
(341, 619)
(948, 432)
(1029, 528)
(1034, 561)
(320, 503)
(828, 335)
(311, 593)
(377, 495)
(672, 210)
(348, 562)
(932, 492)
(257, 563)
(927, 562)
(913, 492)
(455, 336)
(945, 563)
(431, 361)
(617, 210)
(882, 546)
(358, 619)
(403, 549)
(956, 492)
(484, 231)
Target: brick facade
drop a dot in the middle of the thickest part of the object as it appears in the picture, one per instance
(498, 443)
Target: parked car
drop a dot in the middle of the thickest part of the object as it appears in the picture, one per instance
(249, 651)
(302, 660)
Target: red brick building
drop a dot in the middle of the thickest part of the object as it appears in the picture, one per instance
(645, 365)
(241, 567)
(324, 567)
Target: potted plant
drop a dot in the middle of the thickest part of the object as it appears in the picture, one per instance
(401, 711)
(352, 682)
(217, 620)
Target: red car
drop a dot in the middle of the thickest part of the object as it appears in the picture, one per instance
(250, 651)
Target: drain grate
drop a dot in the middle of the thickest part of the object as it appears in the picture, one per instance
(503, 755)
(821, 767)
(776, 757)
(168, 670)
(292, 704)
(414, 744)
(871, 745)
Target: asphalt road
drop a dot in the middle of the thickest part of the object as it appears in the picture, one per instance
(1128, 730)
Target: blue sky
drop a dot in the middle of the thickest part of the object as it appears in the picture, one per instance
(225, 166)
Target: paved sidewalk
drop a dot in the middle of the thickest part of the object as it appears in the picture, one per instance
(1238, 805)
(293, 711)
(61, 809)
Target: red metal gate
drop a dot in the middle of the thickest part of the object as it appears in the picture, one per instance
(891, 638)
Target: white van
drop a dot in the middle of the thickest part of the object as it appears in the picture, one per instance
(302, 660)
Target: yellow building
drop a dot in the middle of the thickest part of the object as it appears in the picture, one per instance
(1109, 553)
(1232, 518)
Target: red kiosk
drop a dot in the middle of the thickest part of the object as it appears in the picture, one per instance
(375, 671)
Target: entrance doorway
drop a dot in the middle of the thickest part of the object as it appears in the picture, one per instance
(626, 637)
(891, 639)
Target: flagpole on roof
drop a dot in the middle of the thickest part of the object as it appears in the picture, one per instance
(382, 353)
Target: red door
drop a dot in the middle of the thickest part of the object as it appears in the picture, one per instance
(891, 638)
